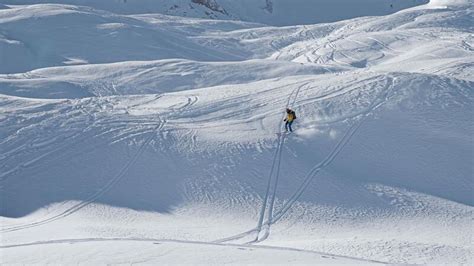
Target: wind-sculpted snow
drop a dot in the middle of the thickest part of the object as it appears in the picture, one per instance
(145, 134)
(271, 12)
(144, 77)
(49, 35)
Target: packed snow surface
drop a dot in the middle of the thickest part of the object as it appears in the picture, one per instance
(151, 138)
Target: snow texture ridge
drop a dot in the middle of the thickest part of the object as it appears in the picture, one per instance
(155, 138)
(271, 12)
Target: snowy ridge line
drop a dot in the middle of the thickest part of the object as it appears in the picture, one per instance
(327, 161)
(303, 82)
(96, 195)
(137, 239)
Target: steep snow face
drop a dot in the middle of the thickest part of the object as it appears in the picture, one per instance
(271, 12)
(133, 136)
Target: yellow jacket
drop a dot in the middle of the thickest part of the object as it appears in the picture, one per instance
(290, 117)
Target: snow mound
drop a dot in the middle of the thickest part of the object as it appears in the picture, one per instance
(63, 32)
(144, 77)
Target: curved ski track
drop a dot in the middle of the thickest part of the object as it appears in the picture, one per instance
(94, 196)
(271, 219)
(111, 182)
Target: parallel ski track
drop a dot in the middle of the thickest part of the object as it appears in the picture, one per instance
(277, 175)
(78, 136)
(269, 185)
(383, 97)
(315, 170)
(111, 183)
(96, 195)
(276, 161)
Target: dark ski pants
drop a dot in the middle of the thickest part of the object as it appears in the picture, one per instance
(288, 126)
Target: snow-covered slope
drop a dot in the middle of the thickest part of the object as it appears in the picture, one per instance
(271, 12)
(140, 135)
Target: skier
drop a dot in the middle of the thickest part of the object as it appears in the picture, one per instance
(290, 117)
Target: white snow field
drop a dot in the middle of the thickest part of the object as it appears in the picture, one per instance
(128, 137)
(271, 12)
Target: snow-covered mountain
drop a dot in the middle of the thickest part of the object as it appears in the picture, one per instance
(272, 12)
(138, 136)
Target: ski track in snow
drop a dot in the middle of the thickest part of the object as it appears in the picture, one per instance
(337, 149)
(308, 178)
(115, 179)
(96, 195)
(277, 160)
(206, 98)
